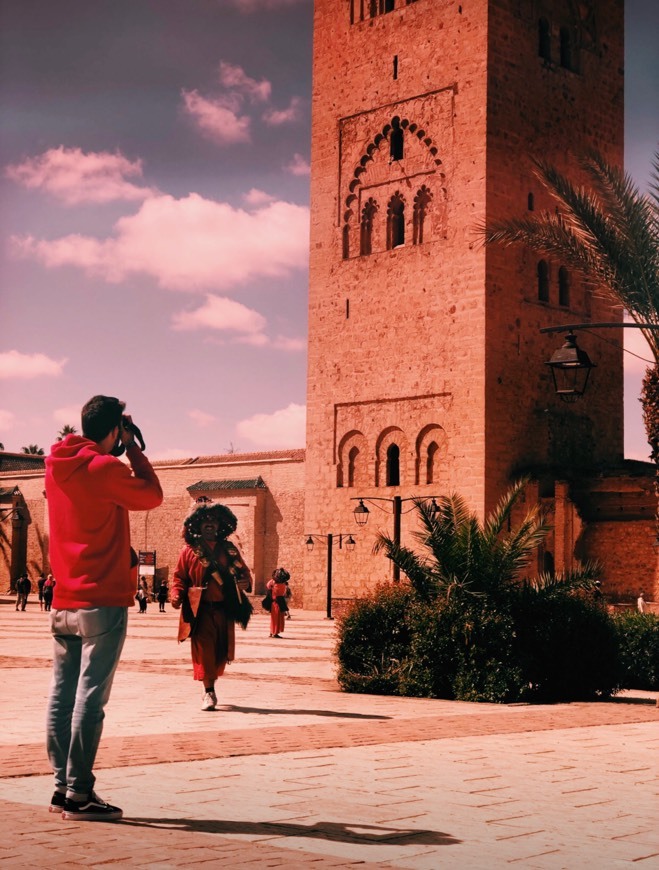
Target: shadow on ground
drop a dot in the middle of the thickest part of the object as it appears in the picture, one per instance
(266, 711)
(337, 831)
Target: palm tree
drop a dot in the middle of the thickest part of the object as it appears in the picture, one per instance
(608, 232)
(32, 450)
(66, 430)
(467, 557)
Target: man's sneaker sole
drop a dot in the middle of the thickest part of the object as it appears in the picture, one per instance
(57, 802)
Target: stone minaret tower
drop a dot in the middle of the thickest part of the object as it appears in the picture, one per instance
(426, 365)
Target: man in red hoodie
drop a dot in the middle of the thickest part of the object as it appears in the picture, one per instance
(89, 494)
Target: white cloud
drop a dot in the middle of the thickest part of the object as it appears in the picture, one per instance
(234, 78)
(7, 420)
(298, 166)
(217, 119)
(69, 415)
(16, 365)
(257, 197)
(75, 177)
(186, 244)
(282, 429)
(277, 117)
(281, 342)
(201, 418)
(221, 313)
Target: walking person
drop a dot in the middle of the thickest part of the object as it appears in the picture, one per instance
(279, 590)
(48, 590)
(210, 582)
(41, 582)
(23, 589)
(162, 597)
(89, 495)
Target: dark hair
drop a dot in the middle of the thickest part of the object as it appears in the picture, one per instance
(100, 415)
(281, 575)
(220, 513)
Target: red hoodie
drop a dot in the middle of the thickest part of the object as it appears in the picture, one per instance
(89, 495)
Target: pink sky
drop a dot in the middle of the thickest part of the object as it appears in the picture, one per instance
(155, 216)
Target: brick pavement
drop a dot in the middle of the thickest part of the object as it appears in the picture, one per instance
(290, 771)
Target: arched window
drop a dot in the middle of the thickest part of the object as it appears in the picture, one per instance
(393, 465)
(543, 281)
(389, 5)
(431, 457)
(396, 140)
(421, 203)
(366, 227)
(346, 241)
(396, 222)
(563, 286)
(373, 8)
(544, 39)
(565, 38)
(353, 457)
(530, 202)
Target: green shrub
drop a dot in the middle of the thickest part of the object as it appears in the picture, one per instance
(638, 640)
(567, 646)
(374, 641)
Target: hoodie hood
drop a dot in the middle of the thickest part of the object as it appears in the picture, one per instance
(69, 455)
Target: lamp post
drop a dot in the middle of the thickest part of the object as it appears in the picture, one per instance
(330, 538)
(361, 514)
(570, 365)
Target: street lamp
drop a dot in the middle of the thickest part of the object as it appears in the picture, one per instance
(361, 514)
(331, 539)
(570, 365)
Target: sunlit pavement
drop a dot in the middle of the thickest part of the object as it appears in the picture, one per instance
(289, 771)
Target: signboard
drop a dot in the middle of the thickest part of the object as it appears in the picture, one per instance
(147, 563)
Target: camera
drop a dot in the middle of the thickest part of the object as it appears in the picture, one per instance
(129, 426)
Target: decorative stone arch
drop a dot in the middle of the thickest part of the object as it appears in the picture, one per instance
(420, 209)
(381, 147)
(430, 456)
(396, 221)
(392, 436)
(352, 467)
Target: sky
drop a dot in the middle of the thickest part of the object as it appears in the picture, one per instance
(154, 215)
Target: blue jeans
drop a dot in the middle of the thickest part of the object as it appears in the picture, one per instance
(88, 645)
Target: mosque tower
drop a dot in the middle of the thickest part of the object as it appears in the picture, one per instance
(426, 365)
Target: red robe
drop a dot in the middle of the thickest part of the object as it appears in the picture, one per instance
(213, 639)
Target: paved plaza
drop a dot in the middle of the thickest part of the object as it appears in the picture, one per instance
(291, 772)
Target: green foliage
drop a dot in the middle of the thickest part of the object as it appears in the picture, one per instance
(373, 642)
(32, 450)
(638, 638)
(469, 626)
(567, 645)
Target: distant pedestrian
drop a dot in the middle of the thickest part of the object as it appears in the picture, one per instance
(48, 590)
(279, 590)
(640, 602)
(162, 597)
(142, 599)
(23, 589)
(41, 582)
(597, 591)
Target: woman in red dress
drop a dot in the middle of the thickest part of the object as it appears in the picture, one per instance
(209, 583)
(278, 587)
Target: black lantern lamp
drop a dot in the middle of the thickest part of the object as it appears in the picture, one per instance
(350, 543)
(309, 543)
(570, 369)
(361, 513)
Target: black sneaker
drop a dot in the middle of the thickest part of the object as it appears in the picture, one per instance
(92, 810)
(57, 802)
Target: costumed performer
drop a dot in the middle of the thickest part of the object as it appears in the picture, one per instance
(209, 585)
